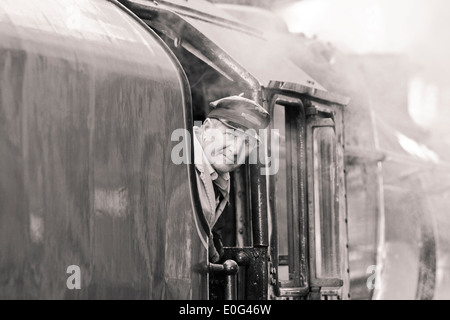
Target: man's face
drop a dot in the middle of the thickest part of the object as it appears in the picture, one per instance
(225, 148)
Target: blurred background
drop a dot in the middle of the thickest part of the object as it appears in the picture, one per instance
(391, 59)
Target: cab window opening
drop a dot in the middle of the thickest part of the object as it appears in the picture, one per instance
(288, 197)
(207, 85)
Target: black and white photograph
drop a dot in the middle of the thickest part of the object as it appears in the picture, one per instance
(230, 156)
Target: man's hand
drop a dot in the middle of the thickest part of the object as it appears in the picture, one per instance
(215, 247)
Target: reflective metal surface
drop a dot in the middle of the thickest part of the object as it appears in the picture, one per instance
(88, 102)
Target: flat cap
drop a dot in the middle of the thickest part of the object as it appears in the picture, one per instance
(239, 112)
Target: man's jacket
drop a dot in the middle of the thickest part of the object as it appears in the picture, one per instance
(212, 208)
(204, 172)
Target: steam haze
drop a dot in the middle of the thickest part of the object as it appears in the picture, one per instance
(399, 53)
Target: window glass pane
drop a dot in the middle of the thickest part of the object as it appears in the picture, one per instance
(326, 216)
(279, 121)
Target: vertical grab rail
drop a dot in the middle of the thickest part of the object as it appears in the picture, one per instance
(229, 268)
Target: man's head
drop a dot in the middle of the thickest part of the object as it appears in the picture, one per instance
(230, 131)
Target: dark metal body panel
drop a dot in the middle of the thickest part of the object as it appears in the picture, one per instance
(89, 99)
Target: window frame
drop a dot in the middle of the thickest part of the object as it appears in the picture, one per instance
(296, 211)
(321, 117)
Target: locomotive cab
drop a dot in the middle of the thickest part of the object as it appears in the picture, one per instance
(286, 229)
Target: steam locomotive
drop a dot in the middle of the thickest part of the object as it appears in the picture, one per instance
(91, 93)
